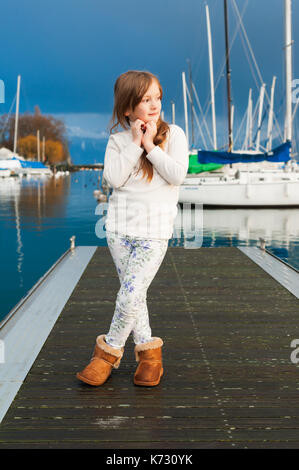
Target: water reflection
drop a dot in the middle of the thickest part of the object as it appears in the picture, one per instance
(247, 225)
(19, 239)
(196, 226)
(37, 197)
(38, 215)
(41, 198)
(242, 226)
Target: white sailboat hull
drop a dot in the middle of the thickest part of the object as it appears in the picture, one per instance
(240, 193)
(5, 172)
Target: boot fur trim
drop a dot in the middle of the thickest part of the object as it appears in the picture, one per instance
(110, 350)
(155, 343)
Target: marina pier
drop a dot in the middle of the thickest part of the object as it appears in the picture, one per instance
(227, 316)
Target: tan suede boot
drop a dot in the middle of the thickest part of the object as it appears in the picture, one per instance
(150, 368)
(104, 358)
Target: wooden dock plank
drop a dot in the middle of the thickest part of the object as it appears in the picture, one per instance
(229, 383)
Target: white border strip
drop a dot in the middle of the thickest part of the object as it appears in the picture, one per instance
(286, 276)
(24, 334)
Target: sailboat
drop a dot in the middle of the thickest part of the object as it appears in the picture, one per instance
(246, 177)
(13, 164)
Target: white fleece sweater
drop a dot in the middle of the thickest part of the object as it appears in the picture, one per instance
(137, 207)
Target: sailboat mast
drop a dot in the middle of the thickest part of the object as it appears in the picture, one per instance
(288, 68)
(38, 145)
(259, 121)
(228, 81)
(270, 119)
(185, 107)
(17, 115)
(211, 77)
(192, 107)
(173, 112)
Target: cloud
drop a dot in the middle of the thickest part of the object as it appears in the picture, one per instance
(85, 125)
(76, 131)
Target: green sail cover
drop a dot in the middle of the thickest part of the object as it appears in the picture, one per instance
(195, 167)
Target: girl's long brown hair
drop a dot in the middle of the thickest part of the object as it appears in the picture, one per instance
(129, 89)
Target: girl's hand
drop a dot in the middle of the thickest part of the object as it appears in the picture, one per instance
(137, 132)
(151, 131)
(149, 135)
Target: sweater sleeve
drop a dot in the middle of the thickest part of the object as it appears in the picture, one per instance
(172, 166)
(119, 163)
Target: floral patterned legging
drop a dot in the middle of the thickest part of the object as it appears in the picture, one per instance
(137, 261)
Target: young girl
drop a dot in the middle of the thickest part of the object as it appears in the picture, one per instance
(144, 164)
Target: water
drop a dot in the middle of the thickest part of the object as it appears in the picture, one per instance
(39, 215)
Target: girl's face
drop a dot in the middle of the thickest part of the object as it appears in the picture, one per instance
(149, 107)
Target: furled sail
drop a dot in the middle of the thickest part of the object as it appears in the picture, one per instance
(278, 154)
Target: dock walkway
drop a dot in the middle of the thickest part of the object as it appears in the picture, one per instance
(229, 382)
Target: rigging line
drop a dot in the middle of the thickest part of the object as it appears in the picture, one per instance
(178, 94)
(240, 127)
(295, 148)
(200, 108)
(255, 79)
(253, 118)
(263, 148)
(252, 71)
(201, 50)
(281, 104)
(224, 62)
(24, 93)
(254, 114)
(208, 103)
(8, 116)
(295, 109)
(274, 115)
(248, 43)
(196, 118)
(255, 63)
(250, 64)
(259, 128)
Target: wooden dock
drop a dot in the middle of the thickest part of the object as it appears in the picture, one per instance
(229, 382)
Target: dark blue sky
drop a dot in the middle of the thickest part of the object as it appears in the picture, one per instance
(70, 52)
